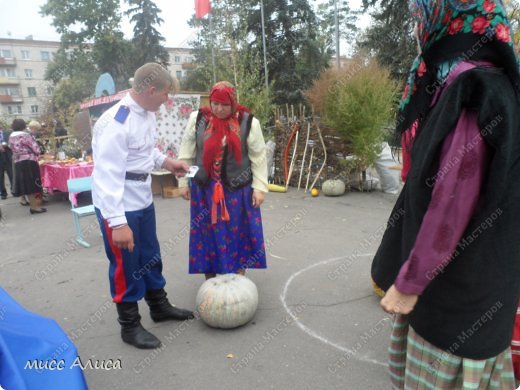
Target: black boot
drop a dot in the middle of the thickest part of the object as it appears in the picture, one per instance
(162, 310)
(132, 332)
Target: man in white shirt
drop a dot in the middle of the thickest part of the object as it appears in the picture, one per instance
(124, 154)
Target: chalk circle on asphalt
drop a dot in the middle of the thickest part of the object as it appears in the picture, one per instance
(313, 333)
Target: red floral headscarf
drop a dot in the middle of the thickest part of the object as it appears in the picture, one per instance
(450, 31)
(471, 30)
(223, 92)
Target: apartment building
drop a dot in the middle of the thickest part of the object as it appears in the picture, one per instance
(24, 93)
(181, 61)
(23, 89)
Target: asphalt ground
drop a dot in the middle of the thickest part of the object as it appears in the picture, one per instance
(318, 323)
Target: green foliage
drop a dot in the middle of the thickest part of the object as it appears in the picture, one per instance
(234, 61)
(347, 19)
(71, 147)
(297, 48)
(112, 53)
(92, 43)
(74, 75)
(80, 21)
(147, 40)
(358, 102)
(390, 37)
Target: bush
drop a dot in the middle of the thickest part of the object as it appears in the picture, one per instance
(358, 102)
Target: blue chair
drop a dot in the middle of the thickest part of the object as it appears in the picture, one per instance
(79, 185)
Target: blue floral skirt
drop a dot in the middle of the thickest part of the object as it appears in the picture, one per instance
(226, 246)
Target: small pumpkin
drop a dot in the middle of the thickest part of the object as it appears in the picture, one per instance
(315, 192)
(334, 187)
(227, 301)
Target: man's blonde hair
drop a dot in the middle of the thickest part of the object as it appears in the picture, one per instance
(34, 125)
(152, 75)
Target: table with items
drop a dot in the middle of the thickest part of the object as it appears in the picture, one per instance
(55, 174)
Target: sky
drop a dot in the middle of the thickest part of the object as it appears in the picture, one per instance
(20, 18)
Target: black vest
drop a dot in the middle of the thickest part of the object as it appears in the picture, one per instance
(468, 309)
(233, 175)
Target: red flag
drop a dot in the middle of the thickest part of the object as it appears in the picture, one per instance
(202, 8)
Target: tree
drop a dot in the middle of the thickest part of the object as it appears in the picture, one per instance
(91, 44)
(390, 39)
(347, 19)
(81, 21)
(296, 53)
(147, 40)
(358, 102)
(234, 60)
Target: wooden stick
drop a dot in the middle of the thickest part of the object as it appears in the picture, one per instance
(324, 157)
(304, 153)
(286, 151)
(310, 167)
(292, 160)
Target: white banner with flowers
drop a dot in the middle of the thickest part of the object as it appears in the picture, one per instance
(172, 119)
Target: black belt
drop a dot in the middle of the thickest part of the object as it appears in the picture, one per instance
(136, 176)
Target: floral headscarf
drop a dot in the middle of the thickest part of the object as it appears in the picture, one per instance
(222, 92)
(454, 30)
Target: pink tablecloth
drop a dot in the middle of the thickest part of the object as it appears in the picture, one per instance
(55, 176)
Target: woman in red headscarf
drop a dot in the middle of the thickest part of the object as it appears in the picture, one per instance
(225, 142)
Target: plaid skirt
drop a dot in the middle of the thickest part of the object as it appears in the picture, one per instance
(515, 345)
(416, 364)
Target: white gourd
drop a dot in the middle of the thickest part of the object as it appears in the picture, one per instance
(227, 301)
(333, 187)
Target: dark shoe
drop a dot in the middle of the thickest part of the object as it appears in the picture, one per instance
(132, 332)
(38, 211)
(162, 310)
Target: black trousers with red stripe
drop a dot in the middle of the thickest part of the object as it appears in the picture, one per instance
(131, 274)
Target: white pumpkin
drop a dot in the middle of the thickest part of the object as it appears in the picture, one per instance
(333, 187)
(227, 301)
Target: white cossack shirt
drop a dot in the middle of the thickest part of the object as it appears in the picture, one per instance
(123, 141)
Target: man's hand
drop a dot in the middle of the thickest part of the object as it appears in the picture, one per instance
(123, 238)
(185, 193)
(395, 302)
(258, 198)
(177, 167)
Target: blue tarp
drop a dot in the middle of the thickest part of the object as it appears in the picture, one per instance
(35, 353)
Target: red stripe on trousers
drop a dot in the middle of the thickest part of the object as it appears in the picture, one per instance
(119, 274)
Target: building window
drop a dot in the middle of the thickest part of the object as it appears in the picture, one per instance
(5, 53)
(177, 59)
(26, 55)
(31, 91)
(7, 72)
(9, 91)
(45, 55)
(189, 60)
(178, 74)
(34, 109)
(14, 110)
(50, 90)
(28, 73)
